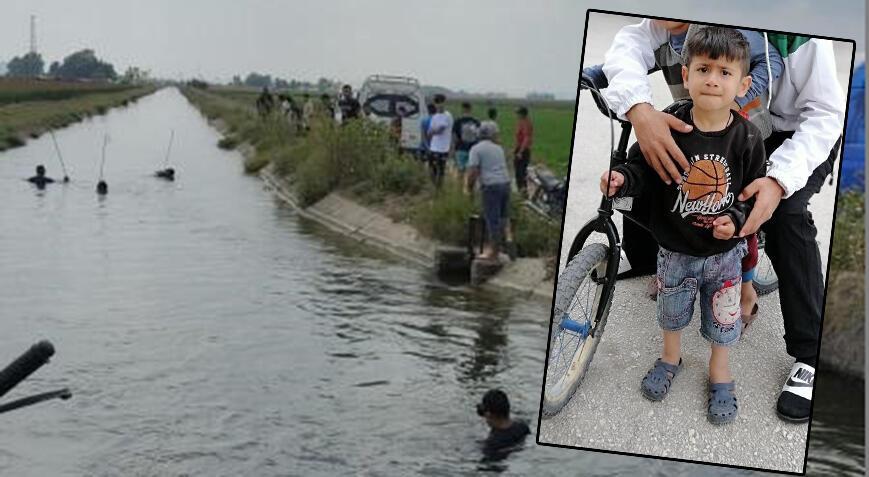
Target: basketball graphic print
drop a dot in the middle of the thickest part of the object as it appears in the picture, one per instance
(706, 181)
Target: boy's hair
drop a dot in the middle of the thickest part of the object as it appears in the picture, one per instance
(466, 106)
(522, 111)
(715, 42)
(495, 402)
(439, 98)
(430, 107)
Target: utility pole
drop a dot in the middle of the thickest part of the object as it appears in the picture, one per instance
(33, 34)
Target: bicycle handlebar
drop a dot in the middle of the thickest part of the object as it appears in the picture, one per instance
(25, 365)
(587, 82)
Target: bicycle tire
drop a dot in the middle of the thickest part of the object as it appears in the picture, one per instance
(765, 279)
(562, 382)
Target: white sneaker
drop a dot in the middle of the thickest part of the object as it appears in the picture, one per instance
(624, 264)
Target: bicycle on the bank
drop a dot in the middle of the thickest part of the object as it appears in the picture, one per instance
(547, 193)
(586, 286)
(23, 367)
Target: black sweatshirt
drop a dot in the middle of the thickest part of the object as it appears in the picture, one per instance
(722, 164)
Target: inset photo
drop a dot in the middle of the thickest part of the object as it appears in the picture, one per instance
(700, 210)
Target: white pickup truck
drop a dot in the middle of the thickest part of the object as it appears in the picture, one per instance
(384, 98)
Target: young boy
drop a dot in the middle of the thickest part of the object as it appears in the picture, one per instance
(764, 60)
(695, 221)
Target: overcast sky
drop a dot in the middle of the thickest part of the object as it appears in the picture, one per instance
(511, 46)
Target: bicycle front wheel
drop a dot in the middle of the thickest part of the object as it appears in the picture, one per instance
(575, 335)
(765, 278)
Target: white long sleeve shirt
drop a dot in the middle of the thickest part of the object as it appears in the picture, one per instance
(807, 98)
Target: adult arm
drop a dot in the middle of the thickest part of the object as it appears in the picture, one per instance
(821, 102)
(629, 94)
(473, 170)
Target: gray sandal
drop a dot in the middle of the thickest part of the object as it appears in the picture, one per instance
(722, 403)
(658, 380)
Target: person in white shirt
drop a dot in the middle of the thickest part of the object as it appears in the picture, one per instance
(440, 136)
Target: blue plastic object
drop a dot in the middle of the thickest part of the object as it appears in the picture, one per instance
(854, 158)
(581, 329)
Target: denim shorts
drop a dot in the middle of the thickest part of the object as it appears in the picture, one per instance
(718, 278)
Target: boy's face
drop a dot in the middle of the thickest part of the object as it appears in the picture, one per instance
(713, 84)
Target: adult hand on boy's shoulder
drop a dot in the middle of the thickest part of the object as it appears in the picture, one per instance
(652, 128)
(768, 193)
(723, 228)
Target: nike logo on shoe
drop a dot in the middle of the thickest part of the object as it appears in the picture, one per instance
(797, 384)
(801, 381)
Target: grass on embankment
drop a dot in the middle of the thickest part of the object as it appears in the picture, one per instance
(360, 160)
(845, 292)
(552, 120)
(22, 119)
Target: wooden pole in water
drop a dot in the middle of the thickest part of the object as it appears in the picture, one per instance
(102, 186)
(169, 149)
(59, 156)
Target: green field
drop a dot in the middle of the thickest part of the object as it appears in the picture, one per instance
(552, 120)
(20, 90)
(553, 127)
(32, 107)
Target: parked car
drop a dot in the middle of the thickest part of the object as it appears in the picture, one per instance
(383, 97)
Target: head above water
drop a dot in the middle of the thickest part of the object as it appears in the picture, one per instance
(494, 405)
(102, 188)
(40, 170)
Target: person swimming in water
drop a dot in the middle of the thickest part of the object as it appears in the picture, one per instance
(505, 434)
(40, 179)
(168, 174)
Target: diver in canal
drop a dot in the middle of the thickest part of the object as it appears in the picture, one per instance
(168, 174)
(40, 179)
(505, 434)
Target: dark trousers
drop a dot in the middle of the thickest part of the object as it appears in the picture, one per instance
(520, 167)
(437, 162)
(791, 246)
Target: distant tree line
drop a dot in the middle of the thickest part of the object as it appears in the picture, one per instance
(258, 80)
(82, 64)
